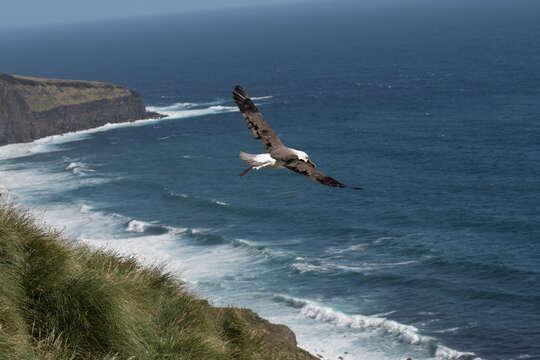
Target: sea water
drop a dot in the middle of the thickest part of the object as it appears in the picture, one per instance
(433, 109)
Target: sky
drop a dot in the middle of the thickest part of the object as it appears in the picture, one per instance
(16, 14)
(29, 13)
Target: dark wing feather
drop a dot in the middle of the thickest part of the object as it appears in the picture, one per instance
(308, 170)
(255, 121)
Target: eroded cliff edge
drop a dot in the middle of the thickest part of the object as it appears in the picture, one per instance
(31, 108)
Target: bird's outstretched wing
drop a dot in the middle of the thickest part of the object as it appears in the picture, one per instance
(309, 170)
(255, 121)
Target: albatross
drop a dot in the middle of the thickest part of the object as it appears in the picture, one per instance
(277, 155)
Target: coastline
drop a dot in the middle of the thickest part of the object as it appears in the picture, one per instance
(317, 312)
(78, 301)
(24, 148)
(270, 336)
(32, 108)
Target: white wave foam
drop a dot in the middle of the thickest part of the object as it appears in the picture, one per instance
(450, 330)
(195, 231)
(137, 226)
(382, 239)
(186, 109)
(78, 168)
(407, 333)
(445, 353)
(326, 266)
(46, 144)
(221, 203)
(175, 106)
(50, 143)
(188, 112)
(306, 267)
(404, 333)
(40, 183)
(185, 105)
(167, 137)
(85, 209)
(356, 247)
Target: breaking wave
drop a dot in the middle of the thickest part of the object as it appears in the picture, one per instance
(136, 226)
(78, 168)
(188, 110)
(404, 333)
(325, 266)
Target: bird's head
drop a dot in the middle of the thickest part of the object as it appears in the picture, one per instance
(304, 157)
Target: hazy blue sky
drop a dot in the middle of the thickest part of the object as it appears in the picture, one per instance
(29, 13)
(24, 13)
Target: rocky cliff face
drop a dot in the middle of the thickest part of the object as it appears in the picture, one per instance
(31, 108)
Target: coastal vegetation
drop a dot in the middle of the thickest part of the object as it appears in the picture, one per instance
(61, 300)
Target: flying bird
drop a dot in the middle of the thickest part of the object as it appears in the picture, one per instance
(277, 155)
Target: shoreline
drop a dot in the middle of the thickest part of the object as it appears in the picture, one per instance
(75, 135)
(82, 300)
(45, 144)
(315, 310)
(32, 108)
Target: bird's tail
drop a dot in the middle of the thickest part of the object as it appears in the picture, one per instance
(249, 158)
(253, 159)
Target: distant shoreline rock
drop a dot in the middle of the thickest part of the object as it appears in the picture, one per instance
(32, 108)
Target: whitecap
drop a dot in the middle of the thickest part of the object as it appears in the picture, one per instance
(404, 333)
(78, 168)
(305, 267)
(323, 266)
(184, 105)
(356, 247)
(191, 112)
(136, 226)
(445, 353)
(450, 330)
(85, 209)
(382, 239)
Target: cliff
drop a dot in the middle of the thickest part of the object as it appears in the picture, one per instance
(63, 301)
(31, 108)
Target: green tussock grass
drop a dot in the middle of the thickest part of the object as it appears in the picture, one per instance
(45, 94)
(61, 301)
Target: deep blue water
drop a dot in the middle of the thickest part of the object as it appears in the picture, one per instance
(432, 109)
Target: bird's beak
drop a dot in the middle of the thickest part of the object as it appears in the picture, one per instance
(312, 163)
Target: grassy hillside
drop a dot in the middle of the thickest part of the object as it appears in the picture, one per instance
(60, 301)
(45, 94)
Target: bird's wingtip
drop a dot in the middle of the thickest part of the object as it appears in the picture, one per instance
(239, 89)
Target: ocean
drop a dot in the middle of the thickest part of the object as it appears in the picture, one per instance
(432, 108)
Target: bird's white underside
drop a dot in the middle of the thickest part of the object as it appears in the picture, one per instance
(265, 160)
(258, 161)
